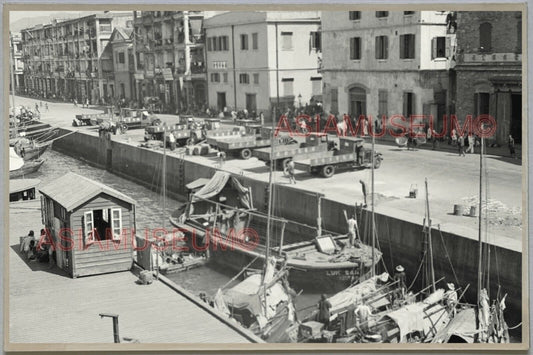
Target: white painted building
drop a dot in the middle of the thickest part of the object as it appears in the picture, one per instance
(255, 59)
(386, 63)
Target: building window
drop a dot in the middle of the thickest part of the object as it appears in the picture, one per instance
(438, 48)
(382, 103)
(485, 37)
(288, 87)
(216, 44)
(121, 58)
(354, 15)
(355, 48)
(215, 77)
(408, 13)
(382, 47)
(407, 46)
(244, 79)
(481, 103)
(316, 86)
(244, 42)
(380, 14)
(315, 41)
(408, 104)
(256, 78)
(254, 41)
(105, 25)
(286, 41)
(225, 76)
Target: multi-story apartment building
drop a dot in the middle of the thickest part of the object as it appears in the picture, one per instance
(63, 59)
(386, 63)
(488, 70)
(257, 59)
(15, 47)
(170, 59)
(118, 65)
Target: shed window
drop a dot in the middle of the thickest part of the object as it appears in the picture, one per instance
(102, 224)
(116, 222)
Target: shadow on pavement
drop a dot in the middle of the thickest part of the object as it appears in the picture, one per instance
(35, 265)
(515, 161)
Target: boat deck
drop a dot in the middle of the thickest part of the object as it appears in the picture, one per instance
(46, 306)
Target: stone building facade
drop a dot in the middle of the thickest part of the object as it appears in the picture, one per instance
(383, 63)
(488, 70)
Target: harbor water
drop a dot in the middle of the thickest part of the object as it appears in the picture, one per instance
(149, 216)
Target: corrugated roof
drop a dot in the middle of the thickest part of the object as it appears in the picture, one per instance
(72, 190)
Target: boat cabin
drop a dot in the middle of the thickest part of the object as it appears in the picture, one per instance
(91, 225)
(22, 189)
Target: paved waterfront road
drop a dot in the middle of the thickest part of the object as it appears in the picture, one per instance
(452, 180)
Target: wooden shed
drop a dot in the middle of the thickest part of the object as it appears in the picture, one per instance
(91, 224)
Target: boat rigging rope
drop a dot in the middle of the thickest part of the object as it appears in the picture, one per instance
(516, 326)
(418, 271)
(448, 257)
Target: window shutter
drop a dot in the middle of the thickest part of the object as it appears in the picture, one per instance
(385, 47)
(310, 41)
(433, 48)
(378, 48)
(88, 224)
(404, 103)
(412, 46)
(352, 47)
(116, 223)
(448, 47)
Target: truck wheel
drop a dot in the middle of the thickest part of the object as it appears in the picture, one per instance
(377, 163)
(328, 171)
(246, 153)
(285, 163)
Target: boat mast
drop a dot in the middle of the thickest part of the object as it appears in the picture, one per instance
(12, 70)
(373, 270)
(480, 219)
(429, 241)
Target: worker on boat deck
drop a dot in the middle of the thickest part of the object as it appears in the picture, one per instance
(450, 298)
(363, 312)
(324, 307)
(399, 276)
(353, 232)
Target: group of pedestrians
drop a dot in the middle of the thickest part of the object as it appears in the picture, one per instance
(463, 141)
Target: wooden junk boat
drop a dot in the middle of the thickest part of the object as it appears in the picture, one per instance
(220, 217)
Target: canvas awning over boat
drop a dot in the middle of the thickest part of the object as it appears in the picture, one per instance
(420, 317)
(217, 183)
(462, 326)
(355, 294)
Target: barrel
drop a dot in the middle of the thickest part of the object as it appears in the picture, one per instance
(458, 210)
(473, 211)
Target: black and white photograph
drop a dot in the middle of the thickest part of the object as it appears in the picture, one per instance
(347, 177)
